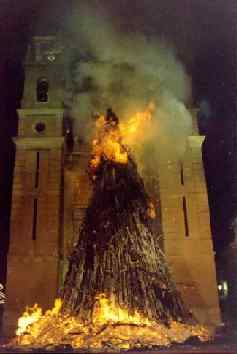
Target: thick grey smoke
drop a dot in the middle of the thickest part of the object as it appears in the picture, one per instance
(126, 71)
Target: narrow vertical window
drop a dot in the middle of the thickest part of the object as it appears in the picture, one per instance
(186, 227)
(37, 169)
(35, 215)
(181, 173)
(42, 90)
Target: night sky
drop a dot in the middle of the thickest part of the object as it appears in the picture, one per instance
(203, 33)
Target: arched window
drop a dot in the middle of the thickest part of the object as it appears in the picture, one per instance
(42, 89)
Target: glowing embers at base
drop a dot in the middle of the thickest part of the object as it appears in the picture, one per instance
(34, 314)
(30, 316)
(107, 311)
(111, 327)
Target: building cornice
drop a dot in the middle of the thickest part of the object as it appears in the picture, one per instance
(39, 143)
(30, 113)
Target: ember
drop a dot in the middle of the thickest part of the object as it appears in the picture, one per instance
(118, 292)
(112, 328)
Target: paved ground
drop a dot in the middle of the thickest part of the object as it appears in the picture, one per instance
(186, 349)
(222, 345)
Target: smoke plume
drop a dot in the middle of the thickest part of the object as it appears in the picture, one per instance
(127, 71)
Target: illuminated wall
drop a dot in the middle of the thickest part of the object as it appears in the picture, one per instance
(51, 190)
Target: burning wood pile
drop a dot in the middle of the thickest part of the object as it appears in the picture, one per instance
(118, 292)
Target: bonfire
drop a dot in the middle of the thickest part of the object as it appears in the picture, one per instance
(118, 292)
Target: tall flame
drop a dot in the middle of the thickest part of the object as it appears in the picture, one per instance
(106, 310)
(107, 144)
(110, 139)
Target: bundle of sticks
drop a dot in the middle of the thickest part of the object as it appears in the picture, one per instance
(118, 252)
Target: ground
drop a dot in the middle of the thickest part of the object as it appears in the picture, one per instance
(221, 345)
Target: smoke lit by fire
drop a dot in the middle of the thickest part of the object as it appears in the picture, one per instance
(144, 82)
(125, 71)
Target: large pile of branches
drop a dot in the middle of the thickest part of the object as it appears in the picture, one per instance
(118, 254)
(118, 292)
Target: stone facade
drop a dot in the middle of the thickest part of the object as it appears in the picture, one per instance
(33, 259)
(51, 191)
(186, 230)
(36, 216)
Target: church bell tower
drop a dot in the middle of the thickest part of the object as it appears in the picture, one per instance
(35, 236)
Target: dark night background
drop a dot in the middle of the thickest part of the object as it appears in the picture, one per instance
(204, 33)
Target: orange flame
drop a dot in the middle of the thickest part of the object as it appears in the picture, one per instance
(134, 129)
(109, 140)
(106, 310)
(30, 316)
(111, 327)
(107, 144)
(34, 314)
